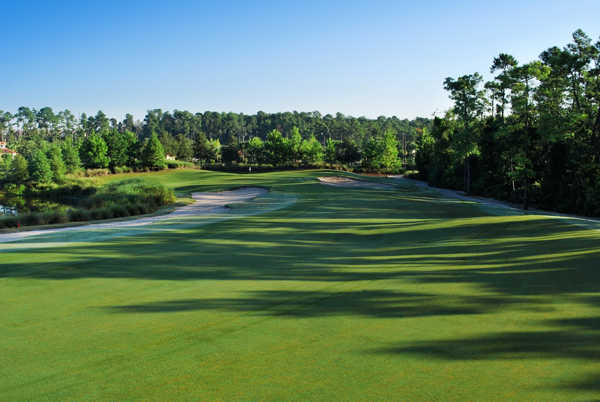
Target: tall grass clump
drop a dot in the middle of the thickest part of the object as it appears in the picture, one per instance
(83, 203)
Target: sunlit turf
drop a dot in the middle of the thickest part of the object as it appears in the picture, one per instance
(343, 294)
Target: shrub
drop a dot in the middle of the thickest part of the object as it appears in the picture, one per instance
(134, 209)
(32, 219)
(171, 164)
(9, 222)
(101, 213)
(119, 211)
(79, 215)
(116, 200)
(123, 169)
(56, 217)
(96, 172)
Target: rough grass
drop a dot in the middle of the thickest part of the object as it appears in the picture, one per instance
(344, 294)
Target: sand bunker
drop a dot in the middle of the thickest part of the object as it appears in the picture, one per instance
(206, 204)
(338, 181)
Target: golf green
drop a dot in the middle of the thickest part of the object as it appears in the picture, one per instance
(336, 294)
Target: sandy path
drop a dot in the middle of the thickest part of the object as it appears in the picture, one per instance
(583, 221)
(338, 181)
(206, 203)
(490, 202)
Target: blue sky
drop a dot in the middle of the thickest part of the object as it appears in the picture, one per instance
(366, 58)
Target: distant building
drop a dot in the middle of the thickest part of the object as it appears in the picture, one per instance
(169, 157)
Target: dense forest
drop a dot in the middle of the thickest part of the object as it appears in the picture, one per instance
(50, 145)
(531, 135)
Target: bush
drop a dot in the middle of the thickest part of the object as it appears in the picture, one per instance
(101, 213)
(79, 215)
(122, 169)
(32, 219)
(55, 217)
(96, 172)
(116, 200)
(9, 222)
(119, 211)
(158, 195)
(179, 164)
(135, 209)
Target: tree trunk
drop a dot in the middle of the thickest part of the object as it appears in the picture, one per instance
(467, 175)
(527, 103)
(526, 196)
(512, 181)
(503, 103)
(576, 103)
(596, 128)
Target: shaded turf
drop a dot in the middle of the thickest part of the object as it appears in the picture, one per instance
(343, 294)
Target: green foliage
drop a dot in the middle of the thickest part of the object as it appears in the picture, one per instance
(311, 151)
(57, 164)
(208, 151)
(389, 155)
(277, 148)
(295, 145)
(40, 170)
(381, 153)
(153, 155)
(4, 167)
(255, 150)
(120, 145)
(122, 169)
(70, 153)
(96, 172)
(184, 148)
(230, 154)
(184, 135)
(392, 294)
(330, 151)
(541, 140)
(120, 199)
(94, 152)
(201, 147)
(19, 170)
(347, 151)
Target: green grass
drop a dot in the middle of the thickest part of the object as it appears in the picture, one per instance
(343, 294)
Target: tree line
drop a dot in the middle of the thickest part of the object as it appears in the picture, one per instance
(529, 135)
(51, 145)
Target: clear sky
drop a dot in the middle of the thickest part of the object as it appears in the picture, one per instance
(366, 58)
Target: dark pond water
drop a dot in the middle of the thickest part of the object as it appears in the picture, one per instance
(16, 204)
(6, 210)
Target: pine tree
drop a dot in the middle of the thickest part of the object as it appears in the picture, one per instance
(57, 165)
(19, 170)
(153, 156)
(39, 168)
(389, 155)
(70, 155)
(94, 152)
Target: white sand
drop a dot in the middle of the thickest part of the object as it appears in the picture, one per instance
(206, 203)
(338, 181)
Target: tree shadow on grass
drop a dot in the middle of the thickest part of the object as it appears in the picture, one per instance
(304, 304)
(520, 261)
(509, 346)
(570, 338)
(572, 344)
(338, 249)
